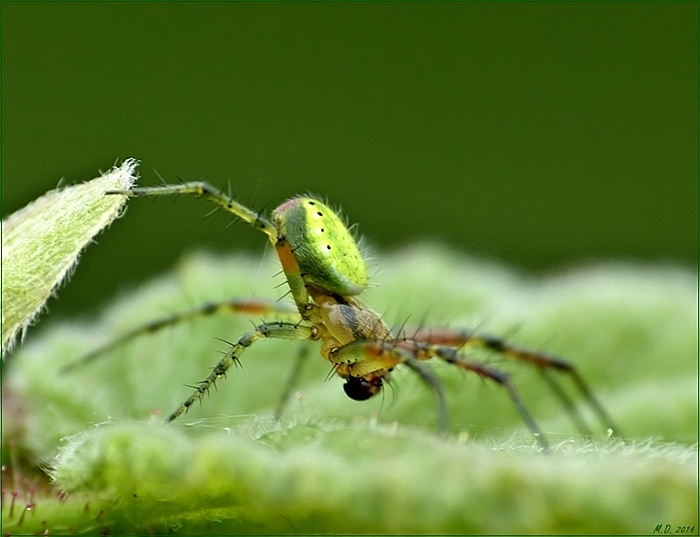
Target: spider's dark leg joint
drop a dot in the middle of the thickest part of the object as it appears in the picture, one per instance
(560, 364)
(540, 359)
(492, 342)
(494, 374)
(209, 308)
(220, 370)
(154, 326)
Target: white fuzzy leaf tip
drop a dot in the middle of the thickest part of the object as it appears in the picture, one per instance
(41, 243)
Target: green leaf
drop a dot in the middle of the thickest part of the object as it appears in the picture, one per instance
(41, 244)
(333, 465)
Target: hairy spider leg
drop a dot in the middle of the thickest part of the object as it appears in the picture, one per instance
(273, 330)
(364, 357)
(283, 249)
(263, 309)
(205, 190)
(545, 362)
(255, 219)
(288, 259)
(333, 284)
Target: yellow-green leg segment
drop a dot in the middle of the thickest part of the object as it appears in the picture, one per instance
(262, 309)
(274, 330)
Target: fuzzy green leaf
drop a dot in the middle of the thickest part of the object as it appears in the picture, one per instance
(334, 465)
(41, 244)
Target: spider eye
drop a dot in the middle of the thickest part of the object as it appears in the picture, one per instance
(360, 389)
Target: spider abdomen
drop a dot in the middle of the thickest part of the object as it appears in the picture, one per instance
(325, 249)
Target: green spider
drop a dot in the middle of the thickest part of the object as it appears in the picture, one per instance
(326, 273)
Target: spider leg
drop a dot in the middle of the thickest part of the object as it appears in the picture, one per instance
(265, 309)
(205, 190)
(373, 355)
(253, 218)
(273, 330)
(451, 355)
(301, 357)
(434, 382)
(545, 362)
(364, 357)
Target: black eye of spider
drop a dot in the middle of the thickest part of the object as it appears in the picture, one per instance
(360, 390)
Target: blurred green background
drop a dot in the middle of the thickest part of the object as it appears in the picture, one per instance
(541, 134)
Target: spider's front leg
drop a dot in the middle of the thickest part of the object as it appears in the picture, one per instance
(274, 330)
(207, 191)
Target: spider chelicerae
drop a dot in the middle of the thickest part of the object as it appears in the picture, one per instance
(326, 273)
